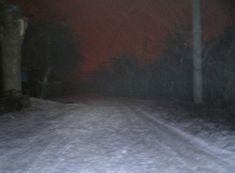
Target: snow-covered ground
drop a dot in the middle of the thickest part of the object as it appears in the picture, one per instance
(109, 136)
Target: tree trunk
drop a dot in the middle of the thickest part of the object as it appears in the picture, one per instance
(14, 27)
(197, 55)
(44, 85)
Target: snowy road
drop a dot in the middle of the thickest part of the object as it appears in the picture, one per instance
(101, 136)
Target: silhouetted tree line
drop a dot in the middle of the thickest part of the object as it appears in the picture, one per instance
(121, 78)
(171, 75)
(50, 59)
(219, 68)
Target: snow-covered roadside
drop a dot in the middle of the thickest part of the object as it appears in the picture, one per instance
(208, 134)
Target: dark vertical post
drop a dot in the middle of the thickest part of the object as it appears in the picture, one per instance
(197, 53)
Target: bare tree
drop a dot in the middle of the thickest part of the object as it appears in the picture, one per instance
(55, 58)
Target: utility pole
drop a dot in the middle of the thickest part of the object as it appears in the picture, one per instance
(197, 53)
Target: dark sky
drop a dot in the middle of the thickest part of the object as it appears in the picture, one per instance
(112, 27)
